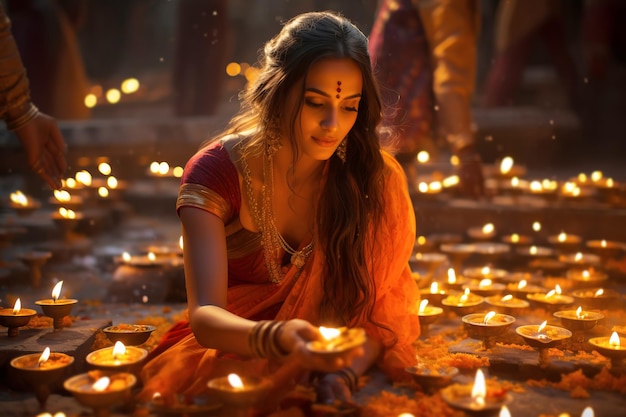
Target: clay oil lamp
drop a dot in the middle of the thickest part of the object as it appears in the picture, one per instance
(56, 307)
(101, 391)
(507, 304)
(585, 278)
(35, 260)
(462, 304)
(552, 301)
(580, 259)
(485, 287)
(486, 272)
(516, 240)
(482, 233)
(596, 298)
(543, 337)
(432, 378)
(534, 251)
(22, 204)
(67, 220)
(457, 252)
(335, 342)
(148, 260)
(545, 189)
(16, 317)
(428, 315)
(565, 242)
(489, 252)
(240, 393)
(428, 262)
(429, 189)
(522, 289)
(574, 192)
(477, 399)
(118, 358)
(455, 283)
(41, 372)
(606, 249)
(63, 198)
(487, 326)
(613, 347)
(129, 334)
(578, 321)
(434, 294)
(513, 186)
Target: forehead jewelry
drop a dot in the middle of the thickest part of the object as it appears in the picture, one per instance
(338, 89)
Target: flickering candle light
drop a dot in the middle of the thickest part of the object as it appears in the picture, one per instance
(516, 239)
(428, 314)
(100, 391)
(606, 249)
(464, 303)
(56, 307)
(239, 392)
(542, 337)
(23, 204)
(477, 397)
(486, 272)
(613, 347)
(580, 259)
(41, 371)
(596, 298)
(434, 294)
(335, 341)
(579, 319)
(486, 326)
(535, 251)
(485, 287)
(454, 282)
(507, 304)
(551, 299)
(484, 232)
(63, 198)
(149, 259)
(565, 241)
(423, 245)
(521, 289)
(16, 317)
(587, 277)
(118, 357)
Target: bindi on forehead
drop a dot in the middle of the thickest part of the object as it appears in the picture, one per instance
(338, 89)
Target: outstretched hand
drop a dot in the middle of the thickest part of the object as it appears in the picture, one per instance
(45, 148)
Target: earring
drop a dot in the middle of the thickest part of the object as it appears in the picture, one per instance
(341, 150)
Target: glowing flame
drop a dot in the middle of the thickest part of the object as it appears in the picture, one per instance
(423, 305)
(126, 257)
(542, 326)
(515, 238)
(112, 182)
(485, 283)
(514, 182)
(533, 250)
(614, 341)
(504, 412)
(423, 157)
(451, 181)
(506, 164)
(603, 243)
(451, 276)
(103, 192)
(56, 291)
(118, 350)
(578, 257)
(506, 298)
(562, 237)
(596, 176)
(522, 284)
(465, 296)
(164, 168)
(586, 274)
(489, 316)
(178, 171)
(151, 256)
(434, 288)
(535, 186)
(181, 242)
(67, 213)
(329, 333)
(104, 168)
(154, 167)
(83, 177)
(422, 187)
(479, 390)
(435, 186)
(485, 270)
(101, 384)
(536, 226)
(579, 313)
(19, 198)
(235, 381)
(599, 292)
(587, 412)
(488, 228)
(44, 356)
(557, 289)
(62, 195)
(17, 306)
(421, 240)
(550, 293)
(129, 85)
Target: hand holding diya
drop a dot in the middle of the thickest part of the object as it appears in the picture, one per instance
(613, 347)
(101, 390)
(480, 398)
(118, 357)
(335, 342)
(57, 308)
(41, 371)
(542, 337)
(16, 317)
(487, 326)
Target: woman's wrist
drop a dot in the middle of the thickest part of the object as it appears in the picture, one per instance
(263, 340)
(349, 377)
(19, 117)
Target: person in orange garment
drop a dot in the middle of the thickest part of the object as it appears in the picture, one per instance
(295, 218)
(38, 133)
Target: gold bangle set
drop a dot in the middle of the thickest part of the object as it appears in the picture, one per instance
(262, 340)
(23, 119)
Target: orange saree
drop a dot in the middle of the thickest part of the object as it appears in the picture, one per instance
(184, 367)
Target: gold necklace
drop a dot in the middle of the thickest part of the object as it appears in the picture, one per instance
(271, 238)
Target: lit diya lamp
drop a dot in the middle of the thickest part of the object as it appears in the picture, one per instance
(55, 307)
(521, 289)
(487, 326)
(507, 304)
(428, 261)
(334, 342)
(552, 300)
(513, 186)
(565, 242)
(23, 204)
(578, 321)
(480, 398)
(534, 251)
(491, 251)
(119, 358)
(580, 259)
(67, 220)
(588, 277)
(432, 378)
(542, 337)
(508, 168)
(482, 233)
(613, 347)
(462, 304)
(429, 188)
(240, 393)
(606, 249)
(424, 245)
(35, 260)
(148, 260)
(515, 239)
(101, 390)
(485, 287)
(63, 198)
(596, 298)
(486, 272)
(457, 252)
(428, 315)
(129, 334)
(41, 371)
(434, 294)
(16, 317)
(455, 283)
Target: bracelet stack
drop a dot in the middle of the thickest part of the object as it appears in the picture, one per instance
(349, 377)
(262, 340)
(23, 119)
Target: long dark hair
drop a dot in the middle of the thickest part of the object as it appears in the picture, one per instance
(350, 205)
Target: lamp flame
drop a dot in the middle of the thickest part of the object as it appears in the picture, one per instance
(515, 238)
(562, 237)
(488, 228)
(504, 412)
(101, 384)
(62, 195)
(507, 297)
(579, 313)
(423, 305)
(489, 316)
(542, 326)
(151, 256)
(451, 276)
(506, 164)
(235, 381)
(599, 292)
(112, 182)
(485, 283)
(19, 198)
(614, 341)
(329, 333)
(485, 270)
(44, 356)
(118, 350)
(465, 296)
(56, 291)
(126, 257)
(479, 390)
(434, 288)
(17, 306)
(587, 412)
(522, 284)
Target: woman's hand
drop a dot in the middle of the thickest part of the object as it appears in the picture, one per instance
(296, 333)
(331, 389)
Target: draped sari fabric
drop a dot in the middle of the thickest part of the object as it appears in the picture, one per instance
(182, 366)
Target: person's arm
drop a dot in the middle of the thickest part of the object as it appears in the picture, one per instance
(39, 134)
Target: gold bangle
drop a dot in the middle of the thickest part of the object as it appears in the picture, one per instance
(22, 120)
